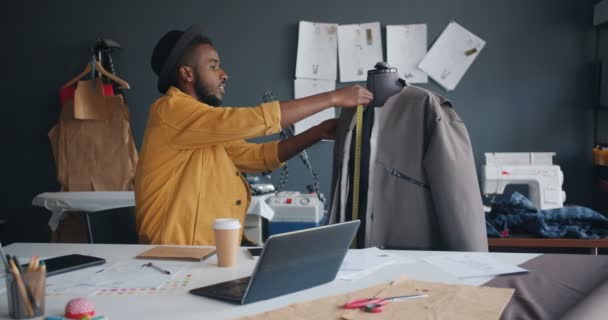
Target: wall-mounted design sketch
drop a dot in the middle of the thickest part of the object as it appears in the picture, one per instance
(451, 55)
(359, 49)
(317, 51)
(405, 47)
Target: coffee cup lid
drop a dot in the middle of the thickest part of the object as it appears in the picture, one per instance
(226, 224)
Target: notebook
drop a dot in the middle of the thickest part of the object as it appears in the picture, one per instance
(177, 253)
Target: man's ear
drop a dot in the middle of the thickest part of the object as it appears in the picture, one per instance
(186, 74)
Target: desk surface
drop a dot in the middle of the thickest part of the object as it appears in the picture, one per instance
(186, 306)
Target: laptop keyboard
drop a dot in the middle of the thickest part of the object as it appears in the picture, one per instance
(234, 289)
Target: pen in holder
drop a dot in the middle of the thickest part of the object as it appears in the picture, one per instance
(26, 294)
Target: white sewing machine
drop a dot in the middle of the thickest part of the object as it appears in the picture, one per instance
(535, 169)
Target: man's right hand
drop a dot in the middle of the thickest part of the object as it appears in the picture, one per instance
(351, 96)
(293, 111)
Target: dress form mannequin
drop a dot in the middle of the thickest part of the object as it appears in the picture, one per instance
(383, 81)
(418, 186)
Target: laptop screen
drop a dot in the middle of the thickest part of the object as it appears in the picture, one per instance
(300, 260)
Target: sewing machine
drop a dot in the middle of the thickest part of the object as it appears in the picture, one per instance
(535, 169)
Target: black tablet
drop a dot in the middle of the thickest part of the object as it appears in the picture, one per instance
(70, 262)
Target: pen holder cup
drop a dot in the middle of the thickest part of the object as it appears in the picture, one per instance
(20, 294)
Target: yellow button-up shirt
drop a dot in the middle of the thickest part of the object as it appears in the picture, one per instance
(188, 173)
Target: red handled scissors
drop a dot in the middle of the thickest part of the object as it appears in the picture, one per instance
(375, 305)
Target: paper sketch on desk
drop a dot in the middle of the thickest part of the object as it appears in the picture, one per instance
(405, 48)
(178, 285)
(317, 50)
(122, 275)
(359, 49)
(71, 283)
(469, 265)
(451, 55)
(308, 87)
(362, 262)
(132, 274)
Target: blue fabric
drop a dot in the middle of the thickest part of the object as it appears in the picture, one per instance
(518, 215)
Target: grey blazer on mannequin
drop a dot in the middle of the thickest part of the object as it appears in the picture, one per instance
(423, 190)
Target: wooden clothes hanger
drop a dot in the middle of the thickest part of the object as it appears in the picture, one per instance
(123, 84)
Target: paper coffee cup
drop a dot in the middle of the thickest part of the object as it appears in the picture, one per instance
(227, 234)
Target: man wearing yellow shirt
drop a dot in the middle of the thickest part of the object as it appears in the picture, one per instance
(193, 153)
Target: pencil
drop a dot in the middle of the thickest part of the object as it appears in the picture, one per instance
(157, 268)
(35, 262)
(21, 288)
(32, 265)
(39, 291)
(28, 288)
(28, 279)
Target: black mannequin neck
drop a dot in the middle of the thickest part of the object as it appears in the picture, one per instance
(383, 83)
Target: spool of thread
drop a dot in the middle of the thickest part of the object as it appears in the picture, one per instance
(597, 155)
(604, 157)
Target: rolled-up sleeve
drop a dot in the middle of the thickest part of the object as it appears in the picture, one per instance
(192, 124)
(272, 116)
(253, 157)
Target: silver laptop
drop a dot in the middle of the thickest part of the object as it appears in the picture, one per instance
(289, 262)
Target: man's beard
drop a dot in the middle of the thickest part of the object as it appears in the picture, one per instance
(206, 97)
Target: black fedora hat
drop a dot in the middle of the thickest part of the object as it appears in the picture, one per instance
(169, 50)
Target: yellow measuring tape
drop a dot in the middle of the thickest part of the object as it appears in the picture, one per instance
(357, 168)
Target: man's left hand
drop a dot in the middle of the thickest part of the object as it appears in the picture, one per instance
(294, 145)
(327, 129)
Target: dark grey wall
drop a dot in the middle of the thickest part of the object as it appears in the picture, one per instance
(529, 90)
(602, 52)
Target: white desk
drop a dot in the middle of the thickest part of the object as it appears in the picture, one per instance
(187, 306)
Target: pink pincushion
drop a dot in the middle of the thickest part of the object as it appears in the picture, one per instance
(79, 308)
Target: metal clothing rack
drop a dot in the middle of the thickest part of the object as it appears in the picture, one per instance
(102, 50)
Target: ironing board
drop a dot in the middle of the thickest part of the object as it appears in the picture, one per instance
(86, 201)
(93, 201)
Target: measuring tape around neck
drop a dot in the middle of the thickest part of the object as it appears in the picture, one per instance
(357, 168)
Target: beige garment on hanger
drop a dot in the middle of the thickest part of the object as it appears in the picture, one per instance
(96, 154)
